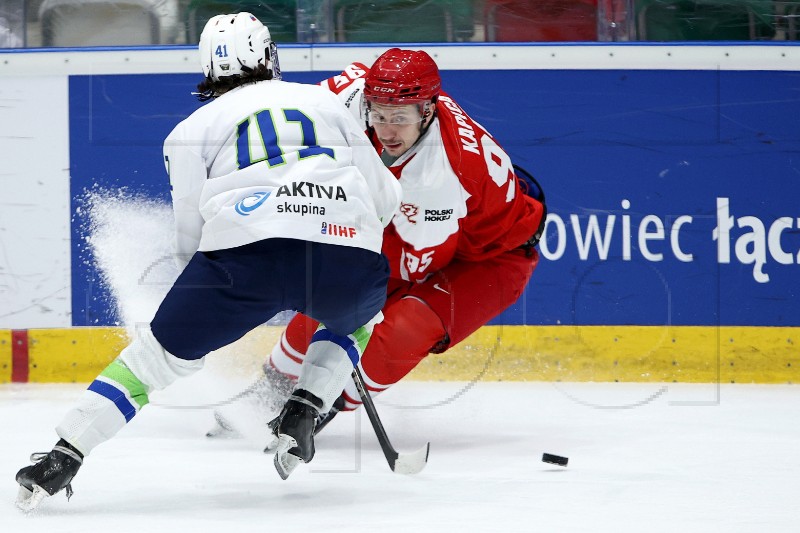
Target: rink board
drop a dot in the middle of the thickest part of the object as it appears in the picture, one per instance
(6, 362)
(642, 169)
(671, 173)
(680, 354)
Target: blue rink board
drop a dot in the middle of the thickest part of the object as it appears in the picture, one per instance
(643, 147)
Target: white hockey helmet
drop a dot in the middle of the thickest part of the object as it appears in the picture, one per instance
(234, 44)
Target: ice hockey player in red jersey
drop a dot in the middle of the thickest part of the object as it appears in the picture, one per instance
(462, 247)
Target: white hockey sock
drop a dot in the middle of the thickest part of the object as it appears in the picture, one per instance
(330, 360)
(121, 390)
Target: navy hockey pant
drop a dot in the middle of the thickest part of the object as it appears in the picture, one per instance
(221, 295)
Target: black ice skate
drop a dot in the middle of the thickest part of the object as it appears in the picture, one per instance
(52, 472)
(323, 419)
(295, 431)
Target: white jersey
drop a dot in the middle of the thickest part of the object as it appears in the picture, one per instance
(276, 159)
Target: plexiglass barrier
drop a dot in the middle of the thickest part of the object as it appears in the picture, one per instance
(79, 23)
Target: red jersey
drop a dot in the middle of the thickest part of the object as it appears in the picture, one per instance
(461, 199)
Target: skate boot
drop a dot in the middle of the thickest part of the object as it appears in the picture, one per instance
(295, 431)
(223, 428)
(52, 472)
(322, 420)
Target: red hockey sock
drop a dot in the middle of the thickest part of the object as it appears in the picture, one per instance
(288, 354)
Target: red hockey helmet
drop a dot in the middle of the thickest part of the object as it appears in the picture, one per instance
(402, 77)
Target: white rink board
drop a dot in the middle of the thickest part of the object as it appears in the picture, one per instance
(35, 284)
(461, 56)
(35, 269)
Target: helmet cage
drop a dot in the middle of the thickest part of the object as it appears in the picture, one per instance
(274, 65)
(424, 108)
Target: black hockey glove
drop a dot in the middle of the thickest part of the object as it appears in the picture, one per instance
(531, 187)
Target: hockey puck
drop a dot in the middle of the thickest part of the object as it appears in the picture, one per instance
(554, 459)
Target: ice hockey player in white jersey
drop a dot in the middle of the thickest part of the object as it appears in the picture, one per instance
(280, 203)
(461, 249)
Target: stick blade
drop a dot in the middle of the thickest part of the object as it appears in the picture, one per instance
(413, 462)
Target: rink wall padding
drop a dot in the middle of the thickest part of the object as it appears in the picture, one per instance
(671, 193)
(20, 356)
(679, 354)
(68, 355)
(671, 253)
(6, 357)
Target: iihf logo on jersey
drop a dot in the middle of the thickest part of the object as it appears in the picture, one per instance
(251, 203)
(335, 230)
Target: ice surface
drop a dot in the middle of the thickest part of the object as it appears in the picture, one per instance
(642, 457)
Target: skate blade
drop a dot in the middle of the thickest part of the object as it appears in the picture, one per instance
(285, 463)
(272, 446)
(28, 500)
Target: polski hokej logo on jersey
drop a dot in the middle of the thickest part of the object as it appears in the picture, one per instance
(247, 205)
(438, 215)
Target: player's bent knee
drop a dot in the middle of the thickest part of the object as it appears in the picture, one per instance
(153, 365)
(408, 333)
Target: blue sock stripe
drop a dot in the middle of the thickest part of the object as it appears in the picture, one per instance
(115, 395)
(345, 343)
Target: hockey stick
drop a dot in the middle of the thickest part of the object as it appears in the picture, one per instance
(405, 463)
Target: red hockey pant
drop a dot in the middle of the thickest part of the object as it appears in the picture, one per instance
(422, 318)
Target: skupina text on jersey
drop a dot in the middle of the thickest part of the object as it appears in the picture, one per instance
(276, 159)
(461, 199)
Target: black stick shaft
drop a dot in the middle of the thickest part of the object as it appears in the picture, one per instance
(383, 439)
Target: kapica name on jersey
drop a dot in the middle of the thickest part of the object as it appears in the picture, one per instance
(306, 189)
